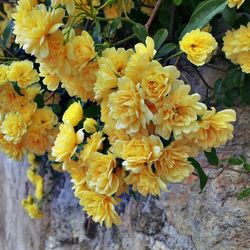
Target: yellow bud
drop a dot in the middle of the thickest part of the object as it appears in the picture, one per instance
(90, 125)
(73, 114)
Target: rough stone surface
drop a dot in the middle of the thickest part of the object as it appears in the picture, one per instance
(182, 219)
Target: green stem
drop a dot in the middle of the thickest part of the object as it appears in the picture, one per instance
(124, 40)
(175, 55)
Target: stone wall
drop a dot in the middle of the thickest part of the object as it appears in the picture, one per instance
(180, 219)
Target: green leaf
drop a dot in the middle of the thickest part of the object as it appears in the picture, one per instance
(235, 161)
(165, 49)
(212, 157)
(229, 15)
(244, 194)
(39, 100)
(140, 31)
(202, 15)
(198, 169)
(177, 2)
(160, 37)
(97, 32)
(7, 33)
(246, 166)
(17, 89)
(56, 108)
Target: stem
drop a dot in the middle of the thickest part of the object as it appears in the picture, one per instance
(124, 9)
(124, 40)
(152, 16)
(103, 6)
(175, 55)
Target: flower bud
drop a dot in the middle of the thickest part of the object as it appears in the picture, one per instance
(90, 125)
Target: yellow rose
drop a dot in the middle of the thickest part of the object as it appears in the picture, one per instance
(173, 164)
(44, 118)
(157, 80)
(90, 125)
(3, 74)
(31, 208)
(65, 143)
(100, 176)
(233, 3)
(100, 207)
(69, 4)
(139, 152)
(73, 114)
(22, 73)
(199, 46)
(13, 127)
(80, 50)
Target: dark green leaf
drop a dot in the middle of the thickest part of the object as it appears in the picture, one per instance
(56, 108)
(17, 89)
(244, 194)
(165, 49)
(202, 15)
(160, 37)
(177, 2)
(140, 31)
(212, 157)
(229, 15)
(198, 169)
(39, 100)
(246, 167)
(235, 161)
(7, 33)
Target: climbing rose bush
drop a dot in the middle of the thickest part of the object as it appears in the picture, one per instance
(93, 88)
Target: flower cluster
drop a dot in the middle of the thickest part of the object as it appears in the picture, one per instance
(237, 46)
(115, 119)
(149, 126)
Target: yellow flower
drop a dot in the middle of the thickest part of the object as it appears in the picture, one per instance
(112, 65)
(123, 187)
(149, 5)
(157, 80)
(39, 187)
(90, 125)
(100, 176)
(3, 74)
(178, 112)
(80, 50)
(214, 129)
(69, 4)
(139, 152)
(44, 118)
(22, 73)
(33, 25)
(15, 151)
(128, 102)
(139, 60)
(32, 160)
(100, 207)
(94, 143)
(146, 182)
(233, 3)
(65, 143)
(199, 46)
(112, 11)
(31, 208)
(13, 127)
(237, 48)
(73, 114)
(173, 165)
(36, 140)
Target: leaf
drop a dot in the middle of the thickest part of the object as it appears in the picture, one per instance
(177, 2)
(198, 169)
(56, 108)
(97, 32)
(165, 49)
(229, 15)
(140, 31)
(246, 166)
(39, 100)
(244, 194)
(17, 89)
(235, 161)
(7, 33)
(202, 15)
(160, 37)
(212, 157)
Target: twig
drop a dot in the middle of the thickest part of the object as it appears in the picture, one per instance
(152, 16)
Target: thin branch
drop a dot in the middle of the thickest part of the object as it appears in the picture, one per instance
(152, 16)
